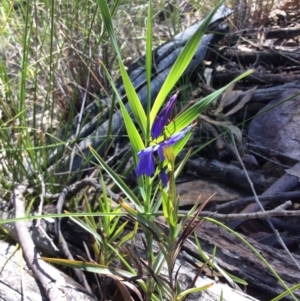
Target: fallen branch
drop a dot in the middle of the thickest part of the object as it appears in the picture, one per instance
(255, 215)
(226, 173)
(54, 285)
(275, 197)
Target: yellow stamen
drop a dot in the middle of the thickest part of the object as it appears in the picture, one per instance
(168, 153)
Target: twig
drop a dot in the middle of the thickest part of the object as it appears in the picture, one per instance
(64, 246)
(33, 259)
(67, 193)
(44, 233)
(280, 196)
(259, 203)
(95, 275)
(283, 206)
(80, 119)
(76, 187)
(79, 274)
(261, 214)
(41, 198)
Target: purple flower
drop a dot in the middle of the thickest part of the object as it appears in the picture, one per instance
(146, 164)
(163, 117)
(163, 177)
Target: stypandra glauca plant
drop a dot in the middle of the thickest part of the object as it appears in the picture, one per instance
(156, 139)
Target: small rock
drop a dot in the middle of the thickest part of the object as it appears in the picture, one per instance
(190, 192)
(277, 129)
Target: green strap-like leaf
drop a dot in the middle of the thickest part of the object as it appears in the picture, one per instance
(189, 116)
(133, 99)
(117, 180)
(133, 134)
(181, 64)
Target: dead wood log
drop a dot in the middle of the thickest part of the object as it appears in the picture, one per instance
(268, 33)
(227, 173)
(188, 271)
(286, 183)
(18, 283)
(264, 198)
(261, 95)
(50, 279)
(271, 57)
(282, 33)
(223, 77)
(232, 256)
(236, 258)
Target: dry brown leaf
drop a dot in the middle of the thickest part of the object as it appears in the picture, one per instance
(237, 133)
(228, 98)
(227, 124)
(134, 289)
(243, 101)
(123, 294)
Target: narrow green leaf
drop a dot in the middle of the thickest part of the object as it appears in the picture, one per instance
(116, 220)
(135, 104)
(141, 219)
(211, 264)
(221, 295)
(117, 253)
(181, 64)
(133, 99)
(117, 180)
(90, 267)
(117, 233)
(286, 293)
(189, 116)
(181, 165)
(257, 253)
(81, 214)
(133, 134)
(125, 238)
(236, 279)
(149, 64)
(194, 290)
(165, 204)
(86, 227)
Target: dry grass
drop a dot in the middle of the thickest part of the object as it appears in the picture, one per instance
(66, 42)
